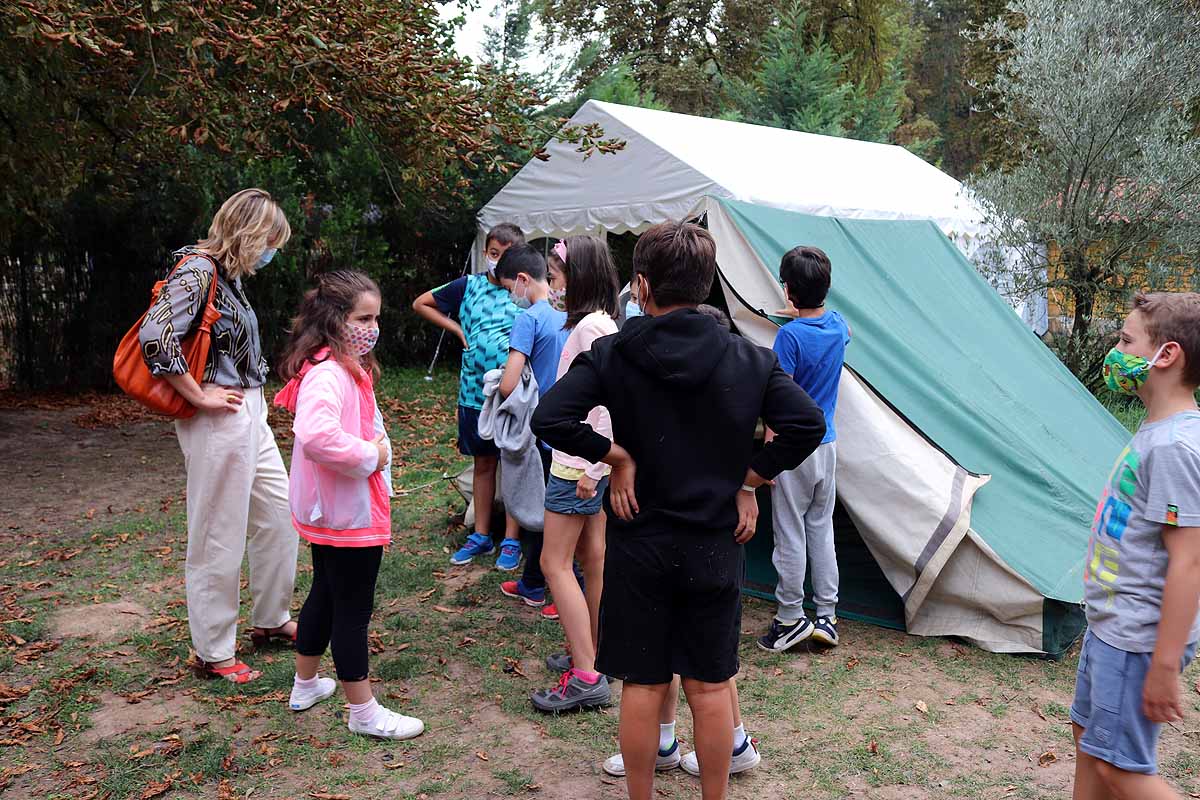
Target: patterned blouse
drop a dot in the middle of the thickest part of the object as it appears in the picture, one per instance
(235, 358)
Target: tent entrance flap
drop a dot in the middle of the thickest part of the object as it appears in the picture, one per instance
(864, 594)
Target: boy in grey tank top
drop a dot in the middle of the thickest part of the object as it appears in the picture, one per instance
(1142, 575)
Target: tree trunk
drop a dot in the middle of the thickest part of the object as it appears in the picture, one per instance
(1084, 296)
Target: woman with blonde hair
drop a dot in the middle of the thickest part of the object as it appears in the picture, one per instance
(237, 487)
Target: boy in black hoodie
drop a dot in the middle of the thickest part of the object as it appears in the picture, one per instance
(685, 397)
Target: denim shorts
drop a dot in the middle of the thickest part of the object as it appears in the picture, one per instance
(1108, 706)
(561, 498)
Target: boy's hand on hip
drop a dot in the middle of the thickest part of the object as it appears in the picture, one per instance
(747, 506)
(585, 488)
(621, 495)
(1160, 694)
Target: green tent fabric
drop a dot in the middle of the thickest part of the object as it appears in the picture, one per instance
(942, 348)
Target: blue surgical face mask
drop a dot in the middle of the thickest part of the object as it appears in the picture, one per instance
(520, 301)
(632, 310)
(267, 255)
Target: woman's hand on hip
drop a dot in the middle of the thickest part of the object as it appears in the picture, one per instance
(220, 398)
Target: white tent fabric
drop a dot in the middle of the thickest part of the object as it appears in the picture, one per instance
(672, 162)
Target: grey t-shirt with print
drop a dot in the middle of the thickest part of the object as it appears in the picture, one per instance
(1155, 483)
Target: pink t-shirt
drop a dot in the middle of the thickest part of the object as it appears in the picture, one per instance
(589, 329)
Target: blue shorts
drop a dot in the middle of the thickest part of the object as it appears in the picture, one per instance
(1108, 706)
(561, 498)
(470, 443)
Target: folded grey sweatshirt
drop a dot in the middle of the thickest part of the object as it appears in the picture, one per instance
(505, 421)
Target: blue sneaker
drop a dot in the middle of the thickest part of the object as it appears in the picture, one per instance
(477, 545)
(510, 555)
(825, 631)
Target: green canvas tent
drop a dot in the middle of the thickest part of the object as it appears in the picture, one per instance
(969, 458)
(952, 407)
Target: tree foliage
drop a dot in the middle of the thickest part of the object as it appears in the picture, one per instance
(1100, 199)
(117, 85)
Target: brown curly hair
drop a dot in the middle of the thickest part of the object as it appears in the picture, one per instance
(321, 322)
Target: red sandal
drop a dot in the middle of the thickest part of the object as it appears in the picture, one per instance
(265, 637)
(237, 672)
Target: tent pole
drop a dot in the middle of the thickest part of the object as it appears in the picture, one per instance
(437, 351)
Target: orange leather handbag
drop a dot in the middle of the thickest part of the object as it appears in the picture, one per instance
(132, 374)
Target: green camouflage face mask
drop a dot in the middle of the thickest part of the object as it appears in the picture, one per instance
(1125, 373)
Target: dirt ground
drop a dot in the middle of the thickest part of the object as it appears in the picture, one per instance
(63, 463)
(96, 701)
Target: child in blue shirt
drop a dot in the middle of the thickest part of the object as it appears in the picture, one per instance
(810, 348)
(537, 340)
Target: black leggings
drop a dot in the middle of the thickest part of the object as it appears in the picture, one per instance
(339, 605)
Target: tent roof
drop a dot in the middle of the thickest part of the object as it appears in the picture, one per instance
(941, 347)
(672, 161)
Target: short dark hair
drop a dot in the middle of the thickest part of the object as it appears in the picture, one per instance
(505, 233)
(680, 261)
(1174, 317)
(520, 258)
(592, 283)
(805, 272)
(717, 314)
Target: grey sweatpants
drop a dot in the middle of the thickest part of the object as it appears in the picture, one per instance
(802, 512)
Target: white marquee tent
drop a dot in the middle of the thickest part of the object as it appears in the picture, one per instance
(674, 166)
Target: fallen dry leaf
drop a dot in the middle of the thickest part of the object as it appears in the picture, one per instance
(920, 706)
(482, 756)
(445, 610)
(328, 796)
(873, 747)
(1046, 759)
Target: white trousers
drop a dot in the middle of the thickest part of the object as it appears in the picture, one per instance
(237, 501)
(802, 505)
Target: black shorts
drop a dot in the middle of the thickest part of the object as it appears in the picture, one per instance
(672, 604)
(470, 443)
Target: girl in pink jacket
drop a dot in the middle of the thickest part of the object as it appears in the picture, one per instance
(339, 492)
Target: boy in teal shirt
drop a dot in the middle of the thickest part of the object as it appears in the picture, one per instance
(480, 312)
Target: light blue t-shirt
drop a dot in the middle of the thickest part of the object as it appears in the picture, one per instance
(812, 352)
(538, 334)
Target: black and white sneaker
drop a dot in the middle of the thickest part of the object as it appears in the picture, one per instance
(572, 693)
(783, 636)
(825, 631)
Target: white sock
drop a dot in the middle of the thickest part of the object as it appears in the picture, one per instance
(666, 736)
(364, 713)
(306, 684)
(739, 736)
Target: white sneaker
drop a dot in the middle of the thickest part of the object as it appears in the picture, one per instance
(666, 760)
(743, 759)
(304, 699)
(389, 725)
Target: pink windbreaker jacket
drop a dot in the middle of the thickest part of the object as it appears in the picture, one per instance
(337, 496)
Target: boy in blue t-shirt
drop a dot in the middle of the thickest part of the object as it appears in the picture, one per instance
(810, 348)
(478, 310)
(537, 339)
